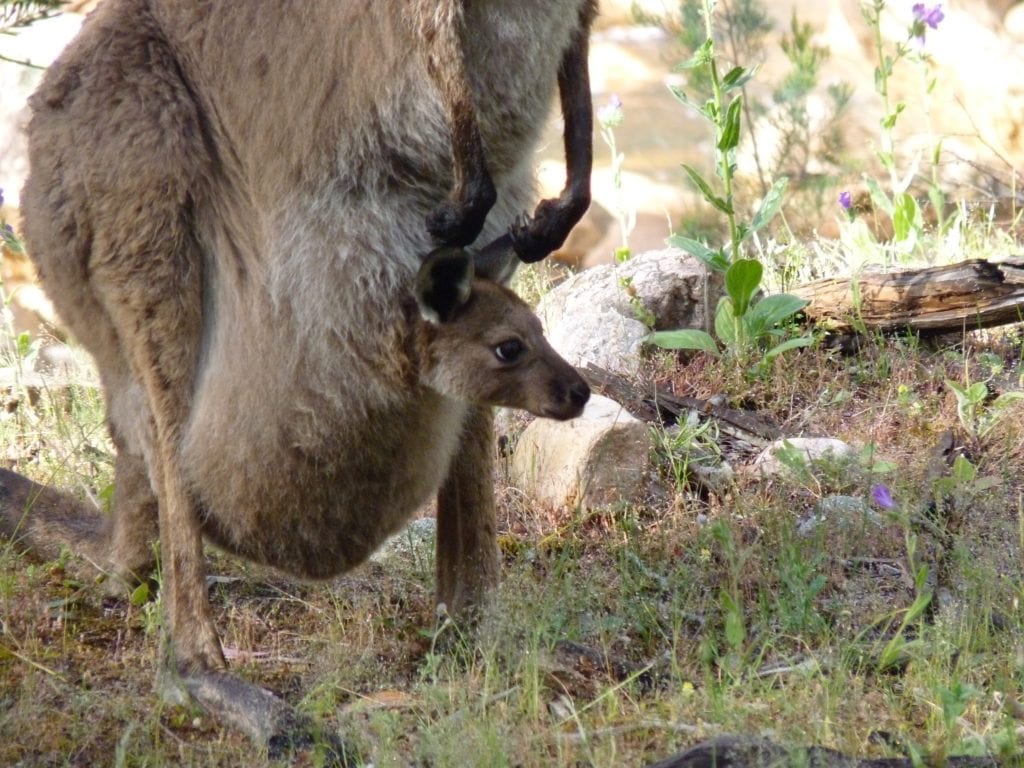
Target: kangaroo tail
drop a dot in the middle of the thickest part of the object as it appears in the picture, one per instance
(42, 521)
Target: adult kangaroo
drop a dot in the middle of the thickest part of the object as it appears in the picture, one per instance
(230, 204)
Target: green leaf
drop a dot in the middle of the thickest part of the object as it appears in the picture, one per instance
(773, 310)
(725, 322)
(889, 121)
(742, 280)
(737, 77)
(906, 217)
(878, 197)
(922, 601)
(705, 189)
(735, 632)
(963, 470)
(685, 338)
(701, 56)
(1005, 400)
(140, 594)
(715, 260)
(771, 204)
(730, 137)
(24, 342)
(938, 201)
(778, 349)
(682, 98)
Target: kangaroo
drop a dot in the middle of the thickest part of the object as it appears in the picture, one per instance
(219, 205)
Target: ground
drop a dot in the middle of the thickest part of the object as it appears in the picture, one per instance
(618, 636)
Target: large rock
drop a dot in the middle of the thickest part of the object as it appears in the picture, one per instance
(600, 458)
(804, 453)
(593, 316)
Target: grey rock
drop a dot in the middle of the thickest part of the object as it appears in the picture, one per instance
(840, 512)
(811, 450)
(595, 316)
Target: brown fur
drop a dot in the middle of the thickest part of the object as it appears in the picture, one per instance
(226, 205)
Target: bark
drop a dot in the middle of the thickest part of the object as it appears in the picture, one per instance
(952, 299)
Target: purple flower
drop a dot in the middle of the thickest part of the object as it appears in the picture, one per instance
(845, 199)
(882, 497)
(1, 196)
(930, 16)
(611, 113)
(925, 17)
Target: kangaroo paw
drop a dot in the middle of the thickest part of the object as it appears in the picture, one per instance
(534, 238)
(459, 220)
(259, 714)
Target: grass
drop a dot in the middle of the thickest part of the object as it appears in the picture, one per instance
(618, 636)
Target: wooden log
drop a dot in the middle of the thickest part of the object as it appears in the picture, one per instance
(966, 296)
(659, 406)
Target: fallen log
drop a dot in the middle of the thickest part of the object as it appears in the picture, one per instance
(656, 405)
(966, 296)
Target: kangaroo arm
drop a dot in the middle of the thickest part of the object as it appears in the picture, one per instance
(554, 218)
(458, 220)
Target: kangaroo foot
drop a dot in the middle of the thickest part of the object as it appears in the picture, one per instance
(259, 714)
(458, 221)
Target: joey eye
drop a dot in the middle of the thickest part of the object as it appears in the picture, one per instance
(509, 350)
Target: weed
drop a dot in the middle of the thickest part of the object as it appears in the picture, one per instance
(742, 323)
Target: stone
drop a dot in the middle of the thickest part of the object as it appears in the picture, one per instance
(810, 449)
(591, 317)
(840, 512)
(600, 458)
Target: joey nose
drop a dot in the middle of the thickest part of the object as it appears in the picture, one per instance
(579, 393)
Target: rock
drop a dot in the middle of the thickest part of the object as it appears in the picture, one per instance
(840, 512)
(590, 317)
(809, 450)
(600, 458)
(602, 337)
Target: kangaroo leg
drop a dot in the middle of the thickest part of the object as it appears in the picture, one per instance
(132, 528)
(467, 550)
(458, 220)
(553, 219)
(119, 167)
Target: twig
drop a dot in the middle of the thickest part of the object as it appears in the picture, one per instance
(41, 667)
(619, 730)
(22, 62)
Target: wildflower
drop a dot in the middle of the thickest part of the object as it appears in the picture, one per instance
(925, 17)
(1, 197)
(610, 115)
(845, 199)
(882, 497)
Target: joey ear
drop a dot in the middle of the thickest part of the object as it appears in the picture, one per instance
(443, 284)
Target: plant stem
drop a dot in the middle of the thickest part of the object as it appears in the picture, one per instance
(873, 15)
(723, 157)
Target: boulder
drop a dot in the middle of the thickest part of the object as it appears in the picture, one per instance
(810, 450)
(600, 458)
(596, 316)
